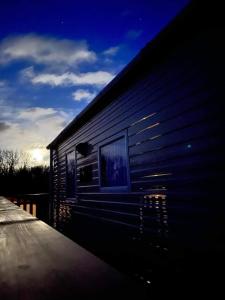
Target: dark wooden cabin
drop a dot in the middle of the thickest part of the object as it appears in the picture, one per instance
(138, 175)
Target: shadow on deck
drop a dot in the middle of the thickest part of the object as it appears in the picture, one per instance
(37, 262)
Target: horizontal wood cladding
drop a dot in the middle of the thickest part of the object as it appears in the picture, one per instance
(189, 100)
(128, 211)
(192, 109)
(137, 99)
(173, 118)
(87, 160)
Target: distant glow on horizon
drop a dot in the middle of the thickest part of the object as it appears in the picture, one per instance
(37, 155)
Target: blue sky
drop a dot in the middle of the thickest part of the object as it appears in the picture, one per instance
(56, 55)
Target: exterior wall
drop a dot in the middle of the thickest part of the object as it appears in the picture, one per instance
(173, 118)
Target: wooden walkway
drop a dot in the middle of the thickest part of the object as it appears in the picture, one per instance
(37, 262)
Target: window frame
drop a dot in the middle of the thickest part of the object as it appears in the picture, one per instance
(75, 174)
(114, 138)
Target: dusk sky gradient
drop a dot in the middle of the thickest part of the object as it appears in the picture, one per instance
(56, 55)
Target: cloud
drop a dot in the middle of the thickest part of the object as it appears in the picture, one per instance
(99, 78)
(37, 113)
(133, 34)
(3, 83)
(111, 51)
(34, 127)
(45, 50)
(83, 95)
(4, 126)
(5, 89)
(27, 73)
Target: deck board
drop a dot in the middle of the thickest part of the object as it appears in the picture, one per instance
(37, 262)
(15, 215)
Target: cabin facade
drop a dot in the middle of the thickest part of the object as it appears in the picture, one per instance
(139, 172)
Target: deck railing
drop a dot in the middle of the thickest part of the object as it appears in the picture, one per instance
(37, 262)
(36, 204)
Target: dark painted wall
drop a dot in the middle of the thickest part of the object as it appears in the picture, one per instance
(172, 221)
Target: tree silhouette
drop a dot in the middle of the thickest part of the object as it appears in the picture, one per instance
(17, 176)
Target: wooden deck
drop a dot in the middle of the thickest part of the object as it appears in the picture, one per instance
(37, 262)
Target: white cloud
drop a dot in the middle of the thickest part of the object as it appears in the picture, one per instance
(98, 78)
(37, 113)
(83, 95)
(30, 128)
(45, 50)
(111, 51)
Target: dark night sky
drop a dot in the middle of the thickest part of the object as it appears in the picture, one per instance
(56, 55)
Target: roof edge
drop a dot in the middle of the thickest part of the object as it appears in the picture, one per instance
(177, 22)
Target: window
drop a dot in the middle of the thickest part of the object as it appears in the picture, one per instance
(70, 174)
(113, 165)
(86, 174)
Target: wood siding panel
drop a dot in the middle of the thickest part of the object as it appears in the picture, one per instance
(173, 117)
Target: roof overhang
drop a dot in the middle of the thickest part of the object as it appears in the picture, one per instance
(188, 21)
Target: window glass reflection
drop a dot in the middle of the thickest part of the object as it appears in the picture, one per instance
(70, 174)
(113, 159)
